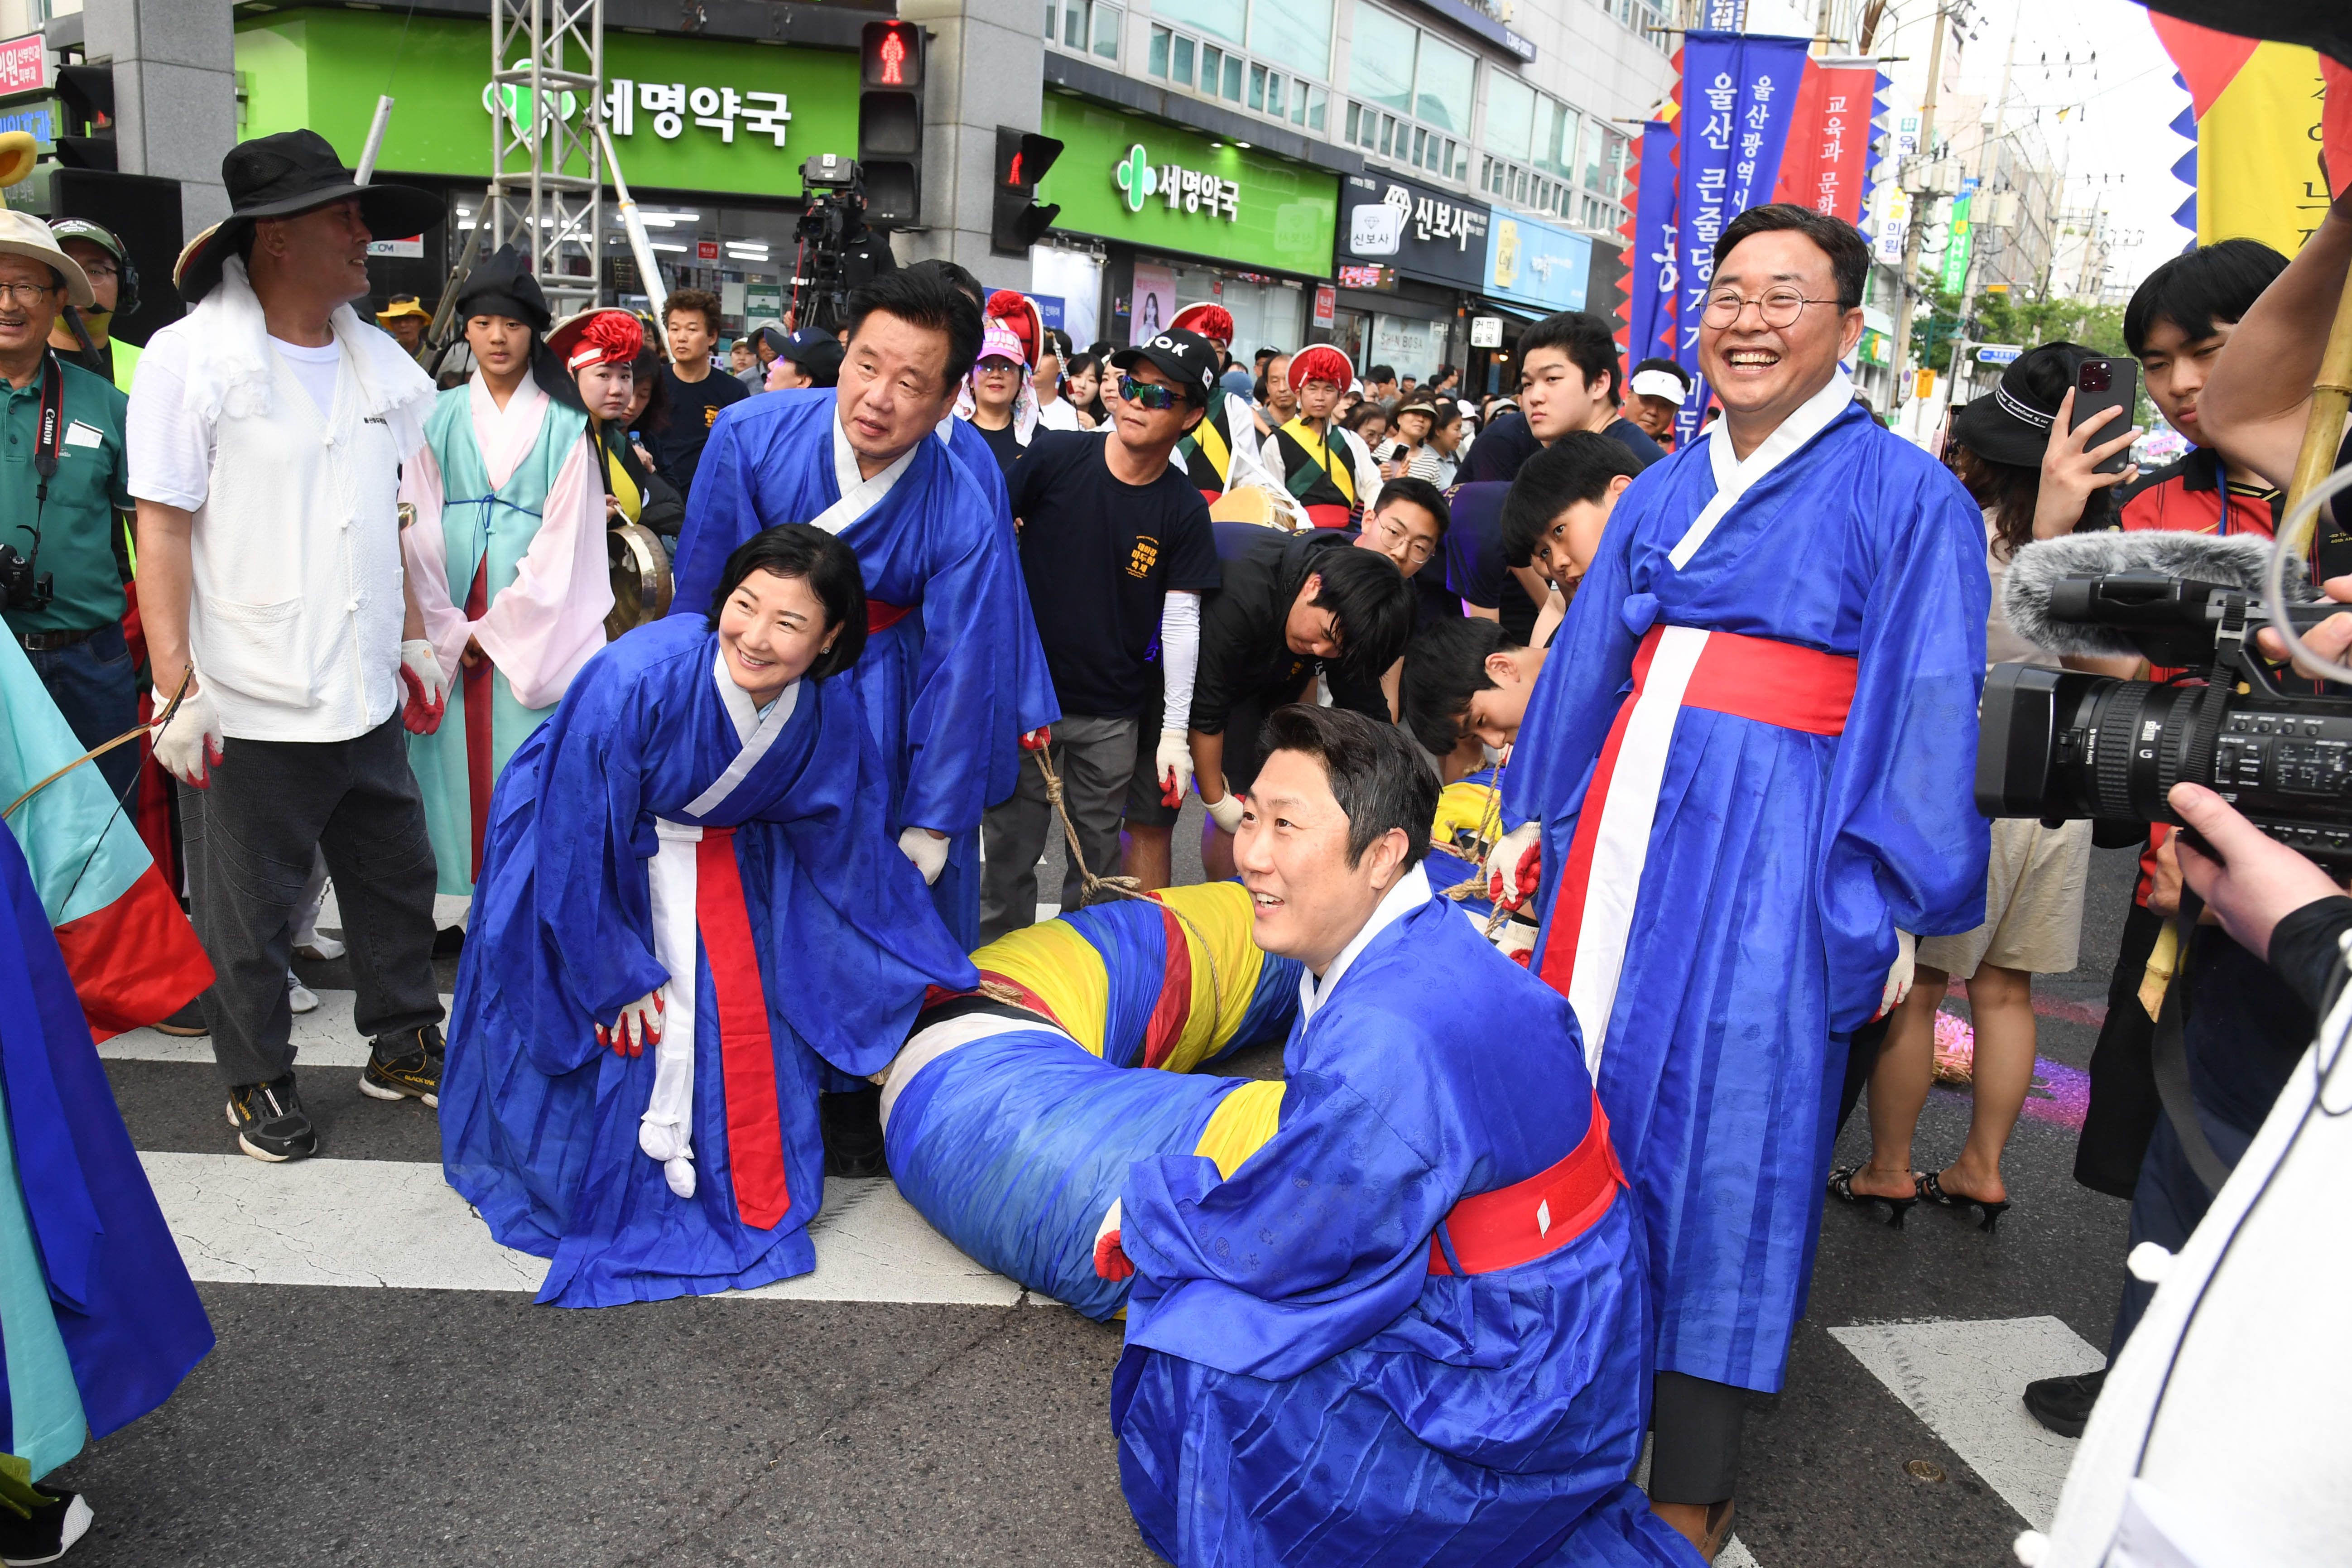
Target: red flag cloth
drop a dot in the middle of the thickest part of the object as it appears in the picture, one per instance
(1829, 139)
(135, 960)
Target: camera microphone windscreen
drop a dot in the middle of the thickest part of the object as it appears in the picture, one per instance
(2234, 561)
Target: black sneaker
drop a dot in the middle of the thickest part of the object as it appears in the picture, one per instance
(188, 1023)
(48, 1535)
(407, 1066)
(270, 1121)
(2063, 1404)
(851, 1124)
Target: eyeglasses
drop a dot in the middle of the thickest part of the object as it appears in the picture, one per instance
(99, 269)
(1153, 396)
(1779, 308)
(25, 294)
(1421, 551)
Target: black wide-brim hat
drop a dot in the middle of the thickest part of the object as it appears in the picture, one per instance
(296, 172)
(2013, 425)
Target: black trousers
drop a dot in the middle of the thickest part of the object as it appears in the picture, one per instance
(1694, 1426)
(249, 837)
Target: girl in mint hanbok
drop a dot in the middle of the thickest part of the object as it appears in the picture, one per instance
(507, 555)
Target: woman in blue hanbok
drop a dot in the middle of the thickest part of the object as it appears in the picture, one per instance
(689, 903)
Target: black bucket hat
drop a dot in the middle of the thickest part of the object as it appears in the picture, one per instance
(295, 171)
(2013, 425)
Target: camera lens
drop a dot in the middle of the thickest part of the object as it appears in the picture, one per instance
(2094, 378)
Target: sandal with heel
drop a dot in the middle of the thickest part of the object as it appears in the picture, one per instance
(1842, 1188)
(1931, 1188)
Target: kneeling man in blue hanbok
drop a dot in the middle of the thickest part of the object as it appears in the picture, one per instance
(688, 905)
(1412, 1327)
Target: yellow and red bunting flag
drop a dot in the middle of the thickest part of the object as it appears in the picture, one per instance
(2266, 113)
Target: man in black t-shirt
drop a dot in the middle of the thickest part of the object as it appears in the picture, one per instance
(1292, 606)
(1116, 550)
(694, 389)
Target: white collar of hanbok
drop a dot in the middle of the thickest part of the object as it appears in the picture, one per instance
(506, 435)
(859, 495)
(756, 728)
(1733, 477)
(1409, 893)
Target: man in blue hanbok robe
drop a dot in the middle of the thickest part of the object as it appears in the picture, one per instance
(660, 837)
(1749, 758)
(98, 1321)
(1412, 1326)
(954, 674)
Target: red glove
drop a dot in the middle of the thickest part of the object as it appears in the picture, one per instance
(420, 672)
(1038, 738)
(1524, 877)
(1110, 1259)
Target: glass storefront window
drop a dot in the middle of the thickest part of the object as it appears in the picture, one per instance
(1267, 314)
(1510, 115)
(1379, 61)
(742, 255)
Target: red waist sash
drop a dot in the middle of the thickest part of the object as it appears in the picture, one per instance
(881, 617)
(1530, 1219)
(1770, 681)
(1327, 516)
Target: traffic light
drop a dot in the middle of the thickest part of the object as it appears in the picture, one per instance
(86, 102)
(1022, 159)
(891, 122)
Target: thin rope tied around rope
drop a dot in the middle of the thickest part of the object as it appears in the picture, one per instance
(1490, 833)
(1122, 887)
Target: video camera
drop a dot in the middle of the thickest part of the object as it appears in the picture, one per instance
(838, 253)
(2058, 744)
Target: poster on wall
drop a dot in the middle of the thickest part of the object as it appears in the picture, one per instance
(1155, 301)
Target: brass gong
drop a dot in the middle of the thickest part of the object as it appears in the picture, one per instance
(641, 579)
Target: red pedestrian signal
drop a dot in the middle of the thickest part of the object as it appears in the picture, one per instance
(891, 55)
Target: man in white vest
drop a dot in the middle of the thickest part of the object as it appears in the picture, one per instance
(266, 441)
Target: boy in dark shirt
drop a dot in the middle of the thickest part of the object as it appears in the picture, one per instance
(1292, 606)
(1117, 550)
(695, 391)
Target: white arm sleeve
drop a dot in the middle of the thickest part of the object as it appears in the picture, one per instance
(1180, 656)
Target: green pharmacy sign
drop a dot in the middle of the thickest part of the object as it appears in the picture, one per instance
(1127, 178)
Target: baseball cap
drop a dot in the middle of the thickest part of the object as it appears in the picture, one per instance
(1185, 358)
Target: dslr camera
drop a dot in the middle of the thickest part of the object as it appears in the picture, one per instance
(20, 584)
(2058, 744)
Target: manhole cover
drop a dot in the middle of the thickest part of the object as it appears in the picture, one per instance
(1924, 1470)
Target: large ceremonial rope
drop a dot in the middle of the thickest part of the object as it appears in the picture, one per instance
(1119, 887)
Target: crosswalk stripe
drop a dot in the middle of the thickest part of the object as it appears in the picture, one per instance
(392, 1224)
(1964, 1380)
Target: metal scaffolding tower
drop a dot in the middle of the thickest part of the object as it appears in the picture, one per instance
(547, 76)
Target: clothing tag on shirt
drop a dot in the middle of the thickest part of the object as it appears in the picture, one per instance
(81, 434)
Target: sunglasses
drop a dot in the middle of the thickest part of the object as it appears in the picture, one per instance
(1153, 396)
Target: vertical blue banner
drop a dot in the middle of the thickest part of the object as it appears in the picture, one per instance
(1650, 303)
(1738, 95)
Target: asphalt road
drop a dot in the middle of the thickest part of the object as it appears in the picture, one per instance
(424, 1410)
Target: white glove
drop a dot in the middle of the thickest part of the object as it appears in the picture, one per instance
(1227, 813)
(1175, 766)
(1110, 1258)
(640, 1022)
(667, 1142)
(928, 854)
(428, 689)
(1515, 867)
(1516, 941)
(190, 744)
(1898, 975)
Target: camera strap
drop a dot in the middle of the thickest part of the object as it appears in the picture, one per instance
(50, 440)
(2169, 1055)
